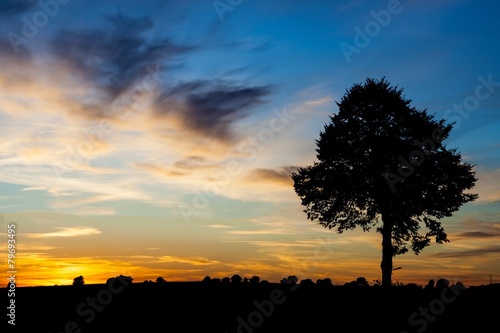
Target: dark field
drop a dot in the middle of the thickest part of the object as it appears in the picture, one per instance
(199, 307)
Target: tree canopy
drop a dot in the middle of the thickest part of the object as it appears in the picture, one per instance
(382, 162)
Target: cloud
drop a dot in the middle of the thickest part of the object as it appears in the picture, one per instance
(487, 185)
(34, 188)
(209, 108)
(320, 101)
(159, 170)
(219, 226)
(66, 232)
(197, 261)
(259, 232)
(193, 163)
(469, 253)
(478, 234)
(280, 176)
(95, 211)
(114, 60)
(479, 229)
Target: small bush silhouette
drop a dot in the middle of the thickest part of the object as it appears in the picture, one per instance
(78, 281)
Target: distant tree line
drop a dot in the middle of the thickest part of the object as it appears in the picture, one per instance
(291, 280)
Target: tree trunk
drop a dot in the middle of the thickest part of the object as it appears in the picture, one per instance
(387, 251)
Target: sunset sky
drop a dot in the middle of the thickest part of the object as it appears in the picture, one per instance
(156, 138)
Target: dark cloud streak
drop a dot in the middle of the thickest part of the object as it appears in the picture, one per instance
(114, 60)
(469, 253)
(282, 175)
(209, 107)
(478, 234)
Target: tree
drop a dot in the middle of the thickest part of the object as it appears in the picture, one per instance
(125, 280)
(306, 282)
(382, 162)
(254, 279)
(78, 281)
(160, 280)
(362, 282)
(236, 279)
(290, 280)
(324, 282)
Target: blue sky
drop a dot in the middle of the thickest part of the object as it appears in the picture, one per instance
(157, 137)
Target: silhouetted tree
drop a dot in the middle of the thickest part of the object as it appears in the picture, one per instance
(442, 283)
(160, 280)
(206, 279)
(78, 281)
(126, 278)
(362, 282)
(381, 160)
(254, 279)
(236, 279)
(225, 280)
(324, 282)
(430, 285)
(359, 282)
(123, 278)
(306, 282)
(291, 280)
(413, 286)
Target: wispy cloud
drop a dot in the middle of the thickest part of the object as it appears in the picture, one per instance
(196, 261)
(259, 232)
(469, 253)
(114, 59)
(209, 108)
(280, 176)
(95, 211)
(478, 234)
(219, 226)
(66, 232)
(34, 188)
